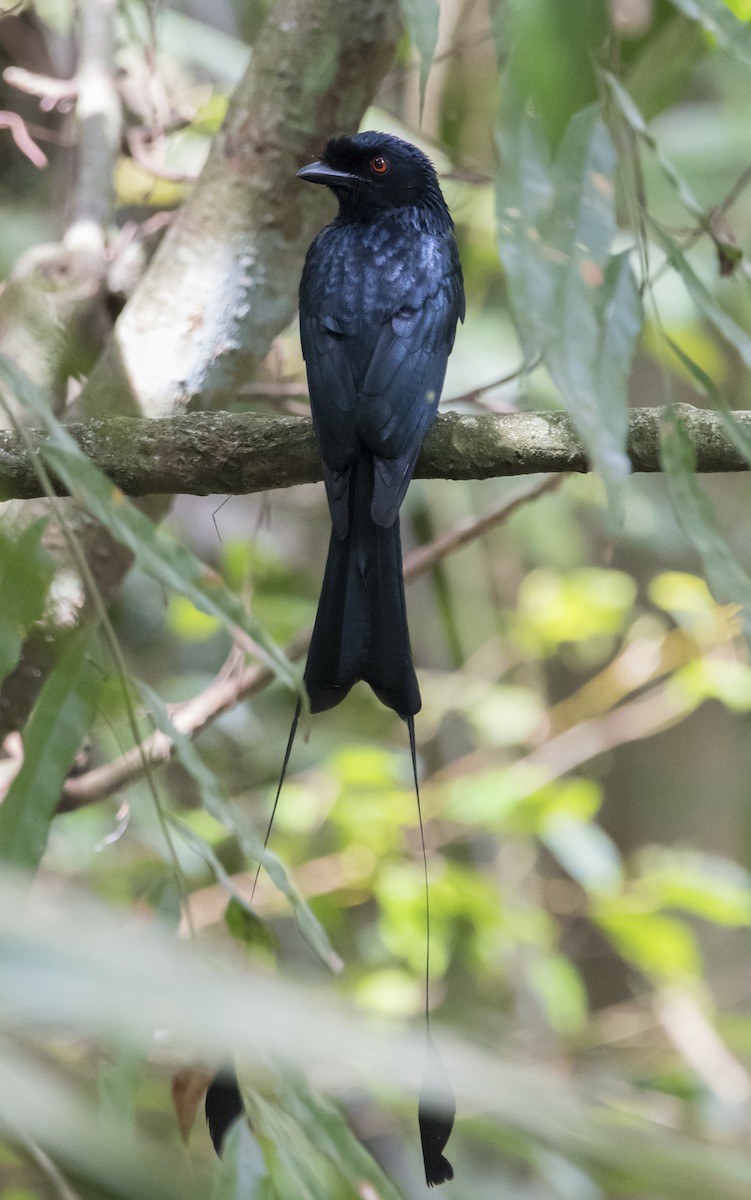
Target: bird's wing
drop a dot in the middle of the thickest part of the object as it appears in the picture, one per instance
(400, 393)
(326, 348)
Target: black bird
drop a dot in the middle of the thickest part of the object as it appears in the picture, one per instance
(380, 296)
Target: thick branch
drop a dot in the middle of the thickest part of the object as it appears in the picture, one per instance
(206, 453)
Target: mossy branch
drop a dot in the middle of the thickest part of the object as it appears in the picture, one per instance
(208, 453)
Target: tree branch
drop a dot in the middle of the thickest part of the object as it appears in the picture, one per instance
(201, 454)
(238, 679)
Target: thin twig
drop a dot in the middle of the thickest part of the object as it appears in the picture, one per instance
(43, 86)
(231, 686)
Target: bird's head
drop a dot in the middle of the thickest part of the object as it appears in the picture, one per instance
(374, 172)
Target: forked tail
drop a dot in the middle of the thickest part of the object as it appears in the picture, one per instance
(361, 626)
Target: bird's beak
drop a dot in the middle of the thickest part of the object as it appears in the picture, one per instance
(318, 172)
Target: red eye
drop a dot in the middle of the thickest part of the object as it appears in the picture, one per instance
(379, 165)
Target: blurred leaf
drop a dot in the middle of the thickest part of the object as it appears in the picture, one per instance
(330, 1134)
(553, 49)
(214, 798)
(736, 431)
(421, 17)
(585, 603)
(663, 69)
(246, 927)
(89, 971)
(59, 720)
(716, 679)
(585, 851)
(40, 1103)
(703, 298)
(188, 622)
(716, 17)
(559, 991)
(656, 945)
(154, 550)
(680, 592)
(242, 1173)
(638, 125)
(26, 571)
(713, 888)
(189, 1086)
(696, 518)
(571, 301)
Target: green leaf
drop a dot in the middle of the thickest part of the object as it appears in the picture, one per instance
(638, 125)
(59, 720)
(739, 435)
(703, 298)
(710, 887)
(242, 1171)
(313, 1147)
(217, 803)
(657, 945)
(571, 300)
(664, 67)
(421, 18)
(732, 35)
(553, 47)
(585, 851)
(26, 571)
(695, 515)
(560, 992)
(156, 552)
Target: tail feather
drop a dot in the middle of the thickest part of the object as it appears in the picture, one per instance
(361, 626)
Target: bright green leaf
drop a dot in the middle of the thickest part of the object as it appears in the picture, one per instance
(657, 945)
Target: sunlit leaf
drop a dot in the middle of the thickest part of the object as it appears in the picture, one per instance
(655, 944)
(680, 592)
(716, 679)
(582, 604)
(58, 723)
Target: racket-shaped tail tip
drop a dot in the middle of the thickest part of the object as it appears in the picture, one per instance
(435, 1114)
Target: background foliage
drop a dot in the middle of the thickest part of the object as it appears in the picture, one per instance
(584, 741)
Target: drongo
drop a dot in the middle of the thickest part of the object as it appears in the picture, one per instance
(380, 296)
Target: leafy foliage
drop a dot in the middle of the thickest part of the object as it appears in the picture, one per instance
(586, 680)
